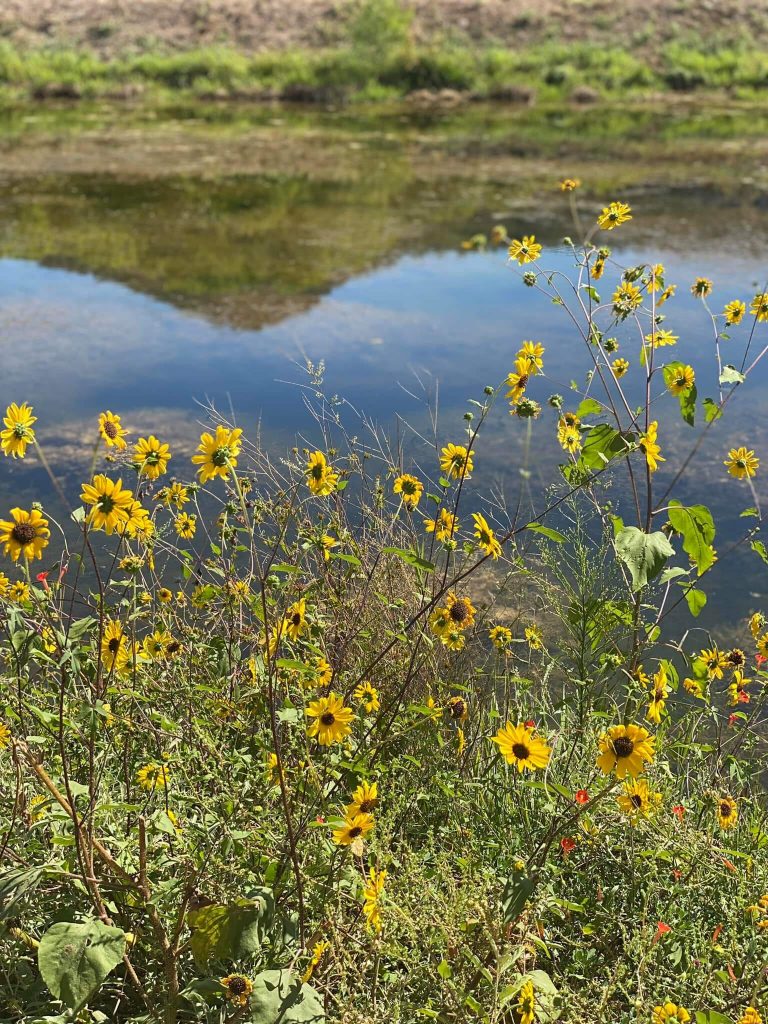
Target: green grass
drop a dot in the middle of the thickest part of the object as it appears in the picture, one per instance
(551, 70)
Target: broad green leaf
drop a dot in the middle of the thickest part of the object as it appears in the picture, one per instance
(644, 554)
(279, 997)
(672, 574)
(547, 531)
(602, 444)
(696, 600)
(517, 889)
(588, 407)
(748, 512)
(74, 959)
(712, 411)
(730, 375)
(411, 558)
(231, 932)
(697, 528)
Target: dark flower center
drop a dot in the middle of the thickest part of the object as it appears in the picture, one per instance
(110, 429)
(23, 533)
(328, 718)
(367, 806)
(521, 751)
(237, 986)
(355, 832)
(623, 746)
(106, 503)
(318, 470)
(296, 619)
(736, 656)
(173, 647)
(459, 611)
(636, 800)
(458, 708)
(114, 644)
(725, 809)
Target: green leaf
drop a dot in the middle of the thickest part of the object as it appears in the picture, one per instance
(748, 512)
(588, 407)
(444, 970)
(411, 558)
(14, 885)
(758, 547)
(712, 410)
(74, 959)
(696, 600)
(730, 375)
(672, 574)
(517, 890)
(231, 932)
(687, 402)
(547, 531)
(697, 528)
(602, 444)
(644, 554)
(279, 997)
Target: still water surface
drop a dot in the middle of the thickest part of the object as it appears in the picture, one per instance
(152, 266)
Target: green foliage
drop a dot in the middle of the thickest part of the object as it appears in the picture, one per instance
(644, 554)
(74, 959)
(279, 997)
(232, 932)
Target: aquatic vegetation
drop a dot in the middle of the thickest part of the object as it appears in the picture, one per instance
(337, 734)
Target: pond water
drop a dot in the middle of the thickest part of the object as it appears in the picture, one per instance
(152, 261)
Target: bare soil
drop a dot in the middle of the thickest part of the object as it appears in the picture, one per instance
(111, 27)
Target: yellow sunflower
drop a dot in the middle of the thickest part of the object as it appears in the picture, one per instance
(238, 988)
(372, 893)
(365, 799)
(519, 746)
(18, 431)
(175, 494)
(759, 307)
(152, 776)
(500, 637)
(355, 827)
(111, 502)
(185, 525)
(486, 538)
(648, 444)
(151, 457)
(461, 611)
(410, 489)
(111, 430)
(444, 526)
(742, 463)
(637, 800)
(295, 620)
(456, 461)
(727, 812)
(613, 215)
(115, 652)
(526, 1004)
(217, 453)
(670, 1012)
(367, 695)
(321, 479)
(5, 735)
(734, 312)
(624, 749)
(332, 720)
(25, 535)
(526, 250)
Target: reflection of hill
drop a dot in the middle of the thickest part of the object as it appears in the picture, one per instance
(251, 225)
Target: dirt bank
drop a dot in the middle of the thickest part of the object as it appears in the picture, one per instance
(111, 27)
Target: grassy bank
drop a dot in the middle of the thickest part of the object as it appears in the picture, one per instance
(548, 71)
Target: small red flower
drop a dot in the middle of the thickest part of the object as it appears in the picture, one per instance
(581, 796)
(760, 660)
(679, 811)
(530, 724)
(567, 845)
(320, 819)
(716, 934)
(661, 930)
(42, 577)
(732, 720)
(677, 874)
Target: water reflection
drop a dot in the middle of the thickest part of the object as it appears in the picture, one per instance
(148, 292)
